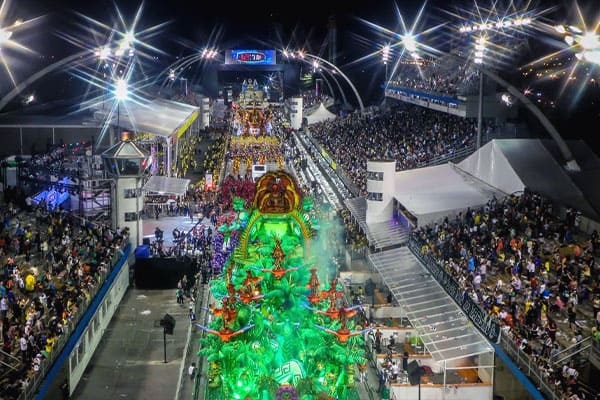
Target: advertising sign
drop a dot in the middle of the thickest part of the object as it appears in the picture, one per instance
(250, 57)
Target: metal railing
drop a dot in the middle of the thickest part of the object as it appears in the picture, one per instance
(581, 348)
(191, 345)
(529, 366)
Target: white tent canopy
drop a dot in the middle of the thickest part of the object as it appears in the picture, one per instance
(158, 117)
(432, 193)
(166, 185)
(319, 115)
(513, 165)
(499, 168)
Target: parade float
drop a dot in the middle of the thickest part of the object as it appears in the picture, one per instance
(279, 326)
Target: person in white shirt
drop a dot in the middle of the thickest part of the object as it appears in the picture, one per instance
(3, 307)
(499, 297)
(530, 268)
(483, 265)
(192, 371)
(477, 281)
(24, 346)
(502, 314)
(395, 370)
(516, 283)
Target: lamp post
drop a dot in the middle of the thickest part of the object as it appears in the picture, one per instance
(303, 54)
(185, 85)
(482, 31)
(480, 47)
(121, 94)
(385, 57)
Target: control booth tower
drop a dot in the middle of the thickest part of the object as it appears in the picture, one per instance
(124, 162)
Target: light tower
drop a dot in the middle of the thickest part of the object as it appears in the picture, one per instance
(480, 48)
(385, 57)
(124, 163)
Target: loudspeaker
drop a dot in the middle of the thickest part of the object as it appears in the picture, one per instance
(414, 379)
(413, 368)
(168, 323)
(414, 372)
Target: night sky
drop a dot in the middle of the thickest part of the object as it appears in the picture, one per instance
(188, 26)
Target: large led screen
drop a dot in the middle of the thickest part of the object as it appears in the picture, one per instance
(252, 57)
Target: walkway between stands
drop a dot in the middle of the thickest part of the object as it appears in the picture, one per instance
(135, 359)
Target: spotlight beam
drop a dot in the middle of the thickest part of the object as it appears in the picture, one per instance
(23, 85)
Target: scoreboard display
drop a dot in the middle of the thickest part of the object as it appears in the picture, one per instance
(250, 57)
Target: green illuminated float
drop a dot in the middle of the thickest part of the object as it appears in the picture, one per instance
(276, 333)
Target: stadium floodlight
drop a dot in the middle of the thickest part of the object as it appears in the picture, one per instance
(207, 53)
(121, 89)
(385, 53)
(504, 23)
(4, 36)
(315, 66)
(103, 52)
(410, 43)
(125, 45)
(7, 31)
(480, 47)
(121, 48)
(585, 44)
(385, 57)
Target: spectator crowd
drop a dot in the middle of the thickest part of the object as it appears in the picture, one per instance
(532, 271)
(52, 265)
(411, 135)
